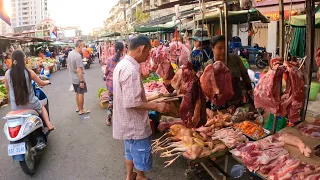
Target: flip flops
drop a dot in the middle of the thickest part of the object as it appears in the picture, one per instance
(85, 112)
(134, 176)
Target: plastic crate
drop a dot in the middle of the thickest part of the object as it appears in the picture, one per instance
(282, 123)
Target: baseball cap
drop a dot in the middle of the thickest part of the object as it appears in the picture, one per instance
(200, 35)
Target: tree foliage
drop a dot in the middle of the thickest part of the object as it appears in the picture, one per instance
(141, 17)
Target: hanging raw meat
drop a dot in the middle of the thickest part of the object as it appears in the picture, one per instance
(317, 57)
(267, 94)
(193, 105)
(216, 83)
(179, 51)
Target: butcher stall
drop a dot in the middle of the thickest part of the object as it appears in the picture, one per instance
(204, 137)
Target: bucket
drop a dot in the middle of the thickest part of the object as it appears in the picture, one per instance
(314, 90)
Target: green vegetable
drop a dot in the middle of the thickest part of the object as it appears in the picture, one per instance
(100, 91)
(152, 78)
(3, 89)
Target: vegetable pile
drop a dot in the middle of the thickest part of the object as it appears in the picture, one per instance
(100, 91)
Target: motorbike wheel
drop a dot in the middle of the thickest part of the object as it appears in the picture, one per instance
(259, 63)
(87, 66)
(29, 163)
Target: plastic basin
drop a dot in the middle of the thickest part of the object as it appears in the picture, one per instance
(314, 90)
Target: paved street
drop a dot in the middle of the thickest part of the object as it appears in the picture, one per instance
(79, 149)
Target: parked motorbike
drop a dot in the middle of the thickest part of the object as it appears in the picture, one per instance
(27, 134)
(262, 58)
(86, 63)
(63, 61)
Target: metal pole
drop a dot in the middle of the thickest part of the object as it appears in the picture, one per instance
(281, 28)
(226, 31)
(221, 21)
(310, 53)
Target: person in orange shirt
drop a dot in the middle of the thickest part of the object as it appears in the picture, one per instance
(8, 61)
(85, 53)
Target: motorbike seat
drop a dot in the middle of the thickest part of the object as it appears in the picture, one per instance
(23, 112)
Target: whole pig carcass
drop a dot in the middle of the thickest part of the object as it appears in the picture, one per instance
(216, 83)
(193, 105)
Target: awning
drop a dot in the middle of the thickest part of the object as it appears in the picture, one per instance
(111, 34)
(237, 17)
(301, 20)
(59, 43)
(168, 27)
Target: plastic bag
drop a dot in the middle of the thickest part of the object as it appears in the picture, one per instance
(71, 89)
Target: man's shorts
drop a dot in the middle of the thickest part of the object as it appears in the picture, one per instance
(79, 90)
(139, 151)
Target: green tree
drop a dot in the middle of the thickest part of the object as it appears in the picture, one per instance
(141, 17)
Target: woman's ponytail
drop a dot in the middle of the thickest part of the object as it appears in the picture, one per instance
(119, 49)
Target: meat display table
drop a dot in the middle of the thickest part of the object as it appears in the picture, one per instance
(262, 176)
(311, 142)
(202, 162)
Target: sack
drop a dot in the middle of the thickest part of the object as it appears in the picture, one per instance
(71, 89)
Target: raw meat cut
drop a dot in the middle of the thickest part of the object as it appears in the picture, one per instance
(284, 170)
(293, 140)
(216, 83)
(313, 177)
(208, 82)
(317, 57)
(160, 58)
(165, 70)
(310, 130)
(179, 51)
(265, 169)
(302, 171)
(267, 91)
(296, 79)
(177, 81)
(192, 94)
(258, 157)
(166, 125)
(230, 137)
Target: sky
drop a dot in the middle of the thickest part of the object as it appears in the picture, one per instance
(87, 14)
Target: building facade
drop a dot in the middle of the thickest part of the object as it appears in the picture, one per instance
(5, 29)
(27, 13)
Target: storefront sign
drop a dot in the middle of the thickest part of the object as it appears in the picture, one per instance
(275, 16)
(274, 2)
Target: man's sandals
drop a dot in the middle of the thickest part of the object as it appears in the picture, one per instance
(84, 112)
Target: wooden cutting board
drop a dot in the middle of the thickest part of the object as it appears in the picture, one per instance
(313, 160)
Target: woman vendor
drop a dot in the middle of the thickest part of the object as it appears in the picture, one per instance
(241, 81)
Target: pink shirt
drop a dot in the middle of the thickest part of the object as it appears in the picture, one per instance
(128, 92)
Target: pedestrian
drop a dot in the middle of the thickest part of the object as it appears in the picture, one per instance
(110, 65)
(76, 71)
(202, 54)
(130, 109)
(18, 82)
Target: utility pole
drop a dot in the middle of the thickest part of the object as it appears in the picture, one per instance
(281, 28)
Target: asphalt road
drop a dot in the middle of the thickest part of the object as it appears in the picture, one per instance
(80, 149)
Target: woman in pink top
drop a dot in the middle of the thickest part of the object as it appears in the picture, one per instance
(110, 65)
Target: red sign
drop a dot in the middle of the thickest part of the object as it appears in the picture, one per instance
(274, 2)
(275, 16)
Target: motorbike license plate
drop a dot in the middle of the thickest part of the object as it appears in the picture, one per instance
(85, 63)
(17, 149)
